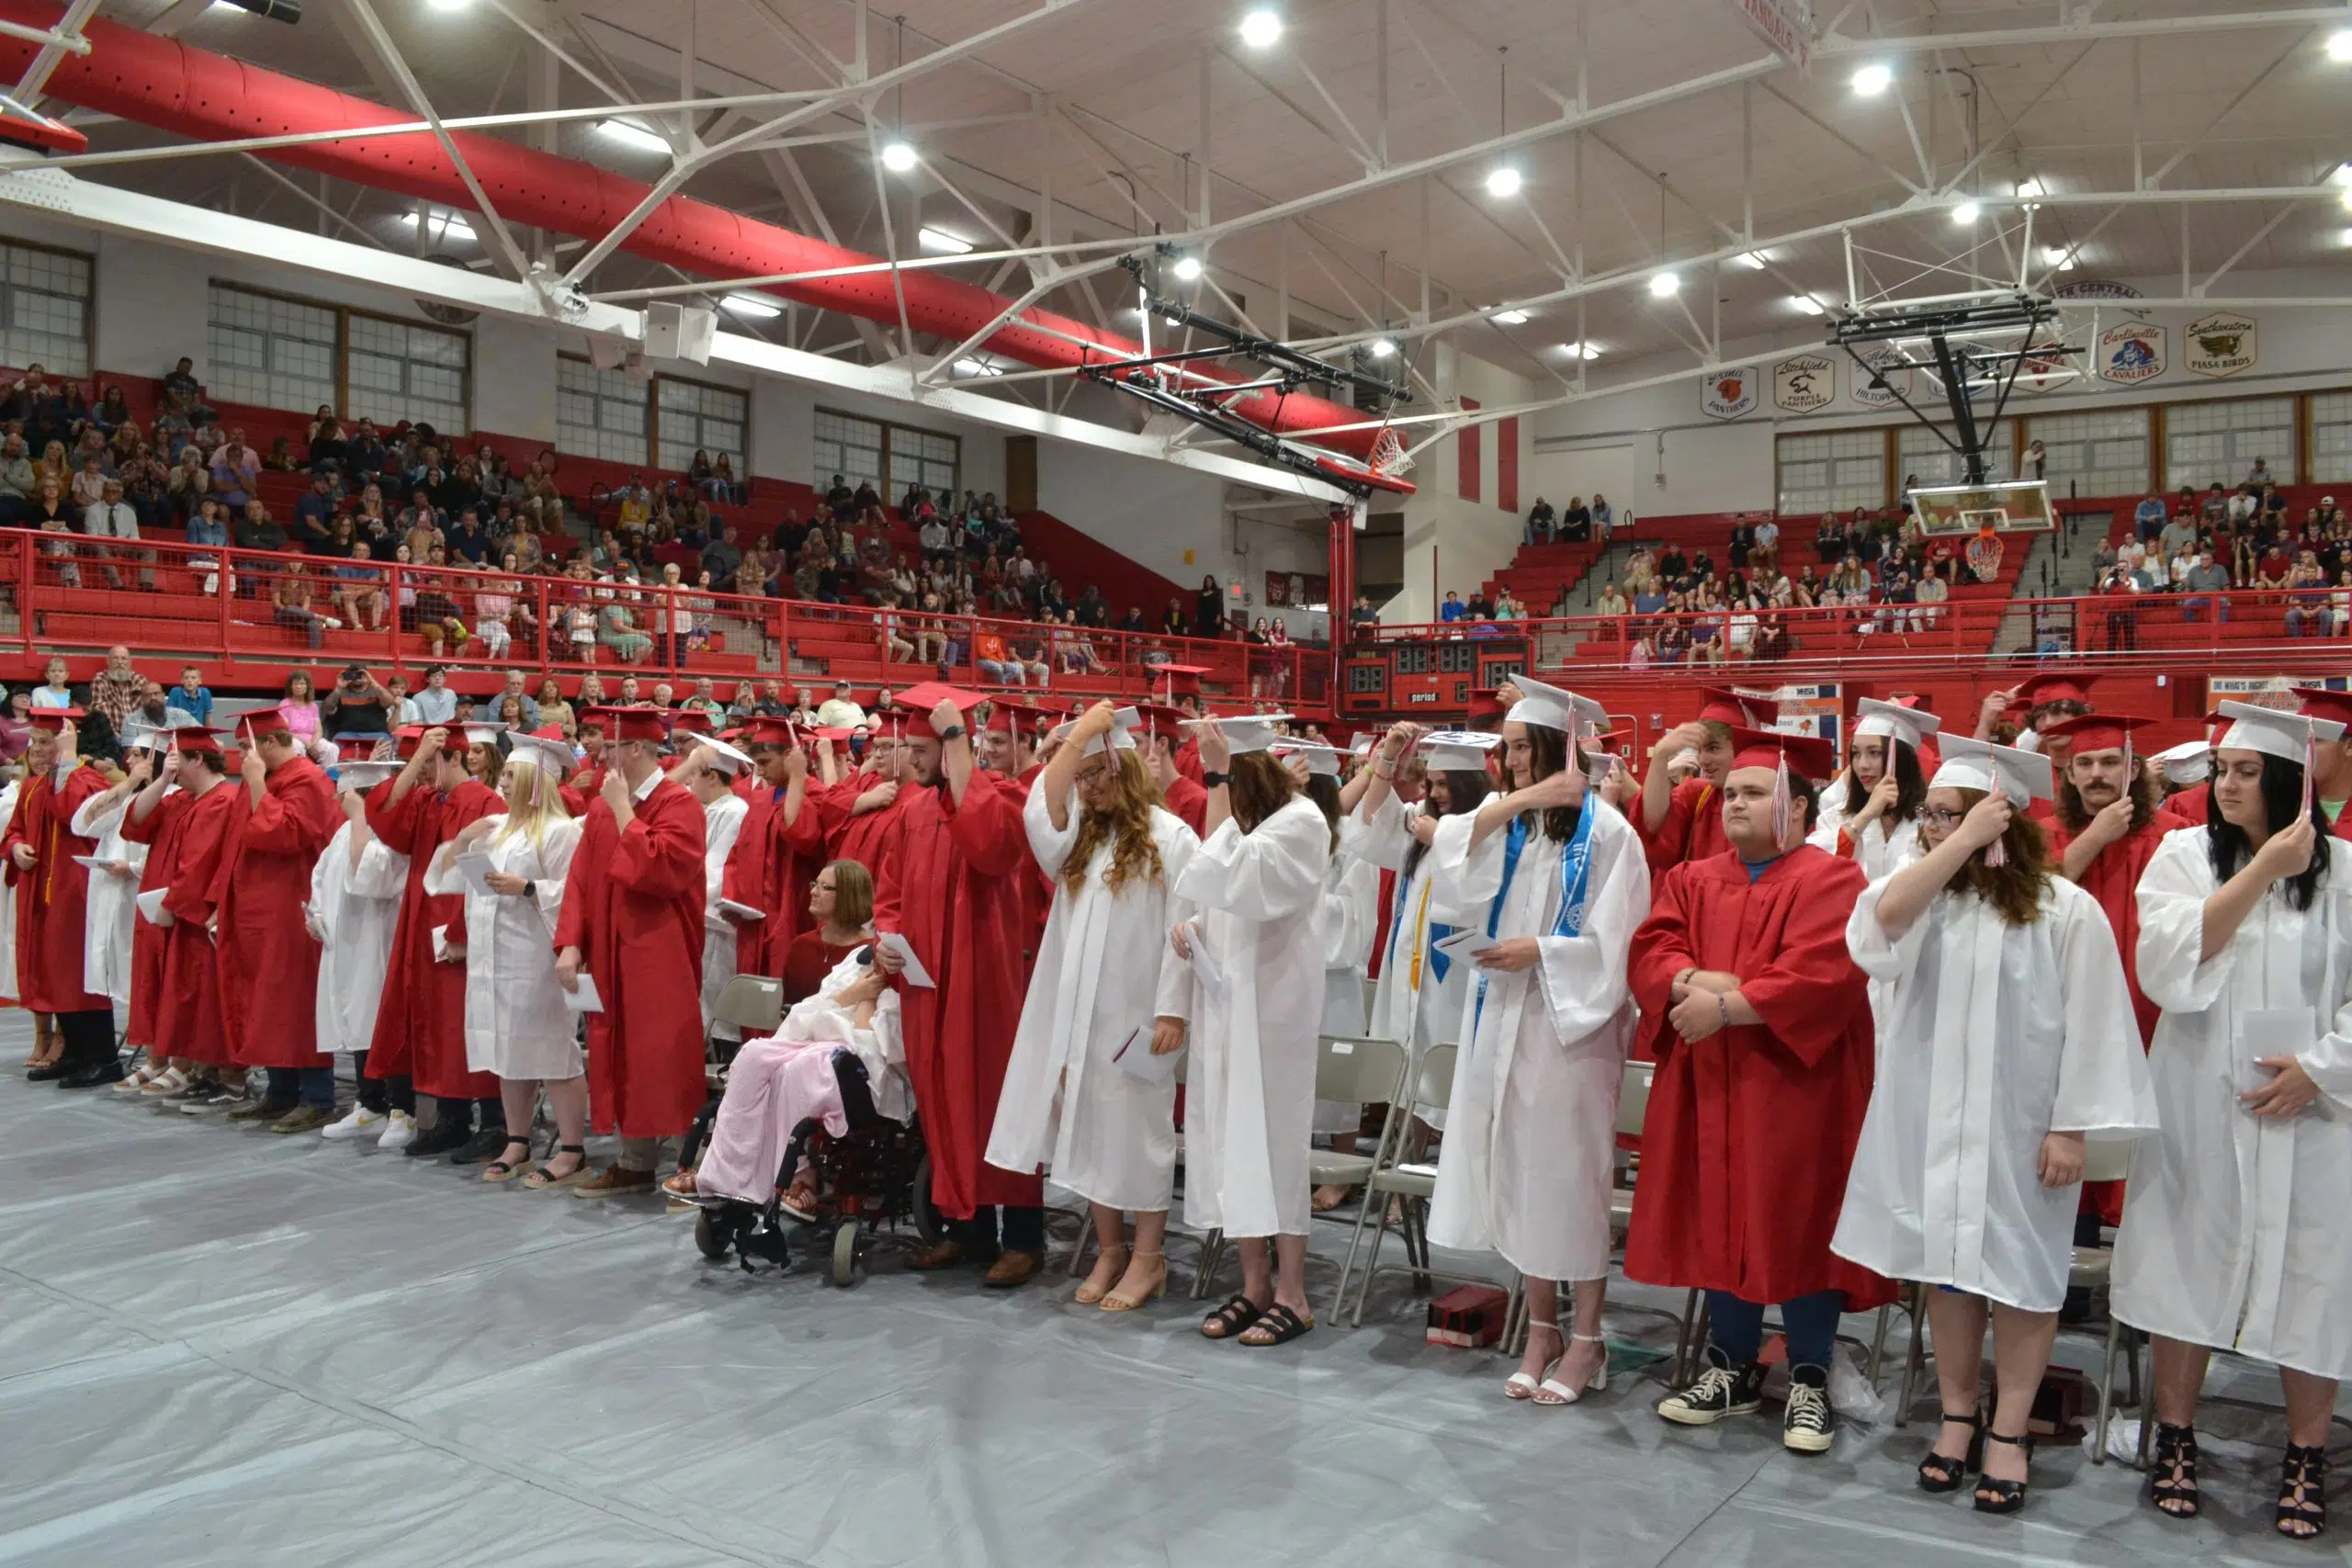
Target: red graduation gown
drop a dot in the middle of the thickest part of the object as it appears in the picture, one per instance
(861, 838)
(1750, 1133)
(770, 868)
(945, 882)
(633, 906)
(269, 966)
(421, 1021)
(54, 896)
(148, 940)
(1188, 761)
(1691, 829)
(185, 838)
(2191, 806)
(1189, 801)
(2113, 878)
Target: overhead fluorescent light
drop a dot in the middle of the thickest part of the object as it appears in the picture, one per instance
(1807, 303)
(898, 157)
(1663, 285)
(976, 367)
(1754, 261)
(633, 136)
(952, 244)
(442, 226)
(751, 305)
(1873, 80)
(1508, 318)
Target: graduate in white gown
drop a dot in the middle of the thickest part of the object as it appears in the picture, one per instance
(2006, 1041)
(1251, 903)
(1351, 914)
(355, 888)
(2233, 1220)
(1881, 830)
(1557, 881)
(113, 904)
(517, 1026)
(710, 770)
(1090, 1090)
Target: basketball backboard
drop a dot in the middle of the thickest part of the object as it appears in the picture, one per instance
(2017, 506)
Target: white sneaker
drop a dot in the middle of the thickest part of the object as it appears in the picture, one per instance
(361, 1124)
(399, 1132)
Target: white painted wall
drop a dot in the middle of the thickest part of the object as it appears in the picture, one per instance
(1450, 543)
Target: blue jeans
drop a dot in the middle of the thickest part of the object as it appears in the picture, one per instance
(1736, 1327)
(307, 1086)
(2189, 606)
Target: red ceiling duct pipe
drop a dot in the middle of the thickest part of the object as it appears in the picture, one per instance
(169, 85)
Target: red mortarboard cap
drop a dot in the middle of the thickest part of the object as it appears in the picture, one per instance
(1738, 709)
(189, 737)
(54, 720)
(1486, 702)
(919, 700)
(2322, 702)
(839, 735)
(1808, 756)
(1184, 679)
(631, 723)
(694, 721)
(407, 739)
(1157, 718)
(2039, 689)
(768, 731)
(2100, 731)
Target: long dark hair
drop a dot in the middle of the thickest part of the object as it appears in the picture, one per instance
(1257, 786)
(1324, 791)
(1910, 784)
(2282, 796)
(1465, 790)
(1547, 754)
(2014, 888)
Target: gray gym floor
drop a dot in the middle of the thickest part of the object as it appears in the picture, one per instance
(221, 1347)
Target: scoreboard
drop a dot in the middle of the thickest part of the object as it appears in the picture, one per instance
(1433, 677)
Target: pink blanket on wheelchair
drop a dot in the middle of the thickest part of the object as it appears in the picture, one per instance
(774, 1087)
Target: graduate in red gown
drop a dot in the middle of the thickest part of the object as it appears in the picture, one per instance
(2104, 832)
(52, 902)
(187, 831)
(419, 1045)
(269, 964)
(1684, 822)
(862, 808)
(2040, 702)
(779, 848)
(2331, 761)
(946, 881)
(1161, 736)
(1179, 686)
(1765, 1055)
(1001, 748)
(632, 922)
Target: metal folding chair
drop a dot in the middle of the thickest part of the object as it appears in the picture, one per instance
(1431, 1087)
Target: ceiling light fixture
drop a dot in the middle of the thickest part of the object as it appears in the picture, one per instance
(1873, 80)
(1579, 350)
(2060, 257)
(942, 240)
(751, 305)
(898, 157)
(442, 228)
(1380, 348)
(1261, 30)
(633, 136)
(1807, 303)
(2339, 46)
(1188, 267)
(2029, 189)
(451, 5)
(1503, 181)
(1508, 318)
(1663, 285)
(1754, 261)
(1966, 212)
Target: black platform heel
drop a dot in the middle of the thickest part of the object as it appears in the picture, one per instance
(2302, 1493)
(1995, 1496)
(2172, 1473)
(1938, 1473)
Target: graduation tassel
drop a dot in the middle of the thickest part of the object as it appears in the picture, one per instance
(1997, 853)
(2305, 815)
(1782, 803)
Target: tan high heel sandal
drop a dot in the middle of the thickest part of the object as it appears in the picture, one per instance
(1087, 1294)
(1128, 1304)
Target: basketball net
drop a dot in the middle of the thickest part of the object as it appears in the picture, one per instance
(1984, 553)
(1388, 454)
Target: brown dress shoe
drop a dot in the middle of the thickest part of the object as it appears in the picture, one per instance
(613, 1182)
(1011, 1269)
(945, 1253)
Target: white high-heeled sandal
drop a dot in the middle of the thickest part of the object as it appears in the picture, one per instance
(1560, 1392)
(1521, 1386)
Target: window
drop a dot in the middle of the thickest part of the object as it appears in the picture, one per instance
(2331, 438)
(600, 413)
(892, 457)
(1832, 472)
(294, 355)
(45, 310)
(2216, 441)
(1919, 454)
(696, 418)
(278, 353)
(2093, 454)
(399, 371)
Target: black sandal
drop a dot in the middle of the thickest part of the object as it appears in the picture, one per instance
(1230, 1319)
(1997, 1497)
(2174, 1494)
(2302, 1493)
(1279, 1321)
(541, 1178)
(1942, 1473)
(504, 1169)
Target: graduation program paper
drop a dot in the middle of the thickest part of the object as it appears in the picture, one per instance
(914, 974)
(584, 998)
(475, 867)
(151, 906)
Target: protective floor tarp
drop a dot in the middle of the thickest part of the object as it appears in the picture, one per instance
(220, 1346)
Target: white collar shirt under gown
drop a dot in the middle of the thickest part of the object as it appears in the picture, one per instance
(113, 906)
(1419, 997)
(1350, 922)
(516, 1023)
(2234, 1224)
(1990, 1037)
(352, 913)
(722, 822)
(1249, 1070)
(1530, 1138)
(1067, 1104)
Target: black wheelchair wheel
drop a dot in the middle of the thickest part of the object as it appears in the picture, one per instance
(711, 1238)
(926, 1218)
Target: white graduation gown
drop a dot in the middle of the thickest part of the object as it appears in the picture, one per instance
(1351, 920)
(1066, 1104)
(1990, 1036)
(722, 822)
(1530, 1138)
(880, 1047)
(113, 906)
(1881, 852)
(1249, 1073)
(8, 906)
(516, 1023)
(352, 913)
(1417, 999)
(2233, 1233)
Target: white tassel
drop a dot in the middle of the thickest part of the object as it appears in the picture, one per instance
(1997, 853)
(1782, 805)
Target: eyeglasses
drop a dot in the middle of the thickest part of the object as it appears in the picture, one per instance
(1936, 818)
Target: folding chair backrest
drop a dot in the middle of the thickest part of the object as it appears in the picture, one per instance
(2107, 1159)
(754, 1003)
(1633, 1100)
(1358, 1071)
(1433, 1085)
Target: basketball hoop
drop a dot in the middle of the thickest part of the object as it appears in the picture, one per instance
(1388, 454)
(1985, 551)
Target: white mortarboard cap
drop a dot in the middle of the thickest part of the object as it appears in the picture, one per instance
(2189, 763)
(724, 757)
(483, 734)
(1459, 751)
(552, 757)
(1970, 763)
(1119, 737)
(1364, 743)
(1322, 760)
(1246, 731)
(2274, 732)
(362, 773)
(1895, 721)
(1551, 707)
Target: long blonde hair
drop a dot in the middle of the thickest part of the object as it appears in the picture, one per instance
(530, 809)
(1129, 818)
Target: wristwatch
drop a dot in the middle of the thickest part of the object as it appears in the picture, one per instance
(1214, 781)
